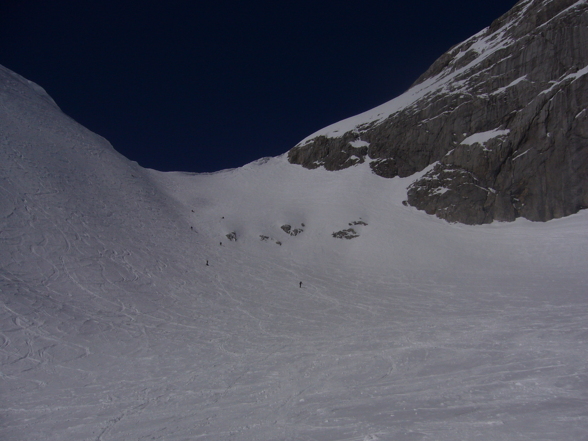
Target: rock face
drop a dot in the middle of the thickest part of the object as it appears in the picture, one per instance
(501, 120)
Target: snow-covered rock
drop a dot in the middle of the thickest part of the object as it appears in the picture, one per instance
(523, 78)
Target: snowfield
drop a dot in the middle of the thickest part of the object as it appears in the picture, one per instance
(128, 313)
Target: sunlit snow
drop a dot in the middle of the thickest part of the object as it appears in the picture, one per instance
(483, 137)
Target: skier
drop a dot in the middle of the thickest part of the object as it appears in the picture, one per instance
(300, 285)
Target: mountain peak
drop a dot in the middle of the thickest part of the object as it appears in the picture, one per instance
(522, 79)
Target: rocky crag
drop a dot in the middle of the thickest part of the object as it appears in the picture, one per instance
(499, 123)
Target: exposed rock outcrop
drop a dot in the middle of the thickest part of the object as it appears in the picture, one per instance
(265, 238)
(292, 231)
(502, 116)
(232, 236)
(349, 233)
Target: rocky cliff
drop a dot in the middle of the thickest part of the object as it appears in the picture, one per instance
(500, 121)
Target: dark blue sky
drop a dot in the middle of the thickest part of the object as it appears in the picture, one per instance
(202, 86)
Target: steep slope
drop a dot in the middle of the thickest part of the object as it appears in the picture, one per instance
(502, 116)
(128, 313)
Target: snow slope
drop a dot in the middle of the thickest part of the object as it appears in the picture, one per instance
(113, 326)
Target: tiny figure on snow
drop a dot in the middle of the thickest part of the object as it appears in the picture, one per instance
(300, 285)
(207, 263)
